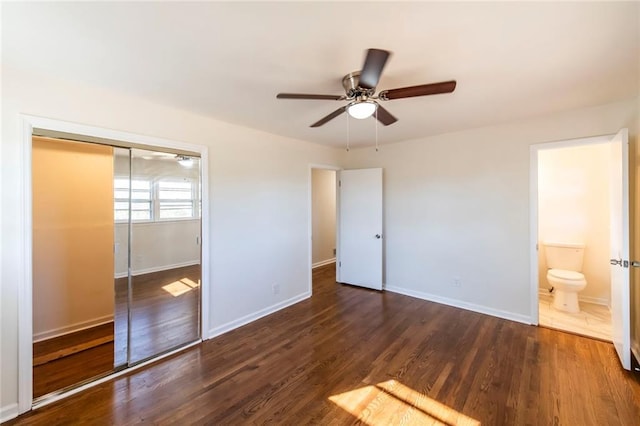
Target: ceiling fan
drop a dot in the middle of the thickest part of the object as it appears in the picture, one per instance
(360, 88)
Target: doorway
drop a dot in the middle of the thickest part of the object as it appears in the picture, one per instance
(323, 220)
(158, 283)
(619, 239)
(574, 220)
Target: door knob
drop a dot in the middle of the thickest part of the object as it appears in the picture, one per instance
(378, 236)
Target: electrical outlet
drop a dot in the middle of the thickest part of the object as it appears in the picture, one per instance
(457, 282)
(276, 288)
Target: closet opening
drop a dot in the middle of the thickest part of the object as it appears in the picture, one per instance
(116, 249)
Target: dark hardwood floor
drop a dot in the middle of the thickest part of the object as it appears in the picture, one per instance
(350, 355)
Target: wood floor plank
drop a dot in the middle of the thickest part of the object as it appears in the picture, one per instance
(354, 356)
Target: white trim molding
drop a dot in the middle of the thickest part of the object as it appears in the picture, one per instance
(25, 282)
(232, 325)
(460, 304)
(587, 299)
(595, 300)
(8, 412)
(323, 262)
(157, 269)
(71, 328)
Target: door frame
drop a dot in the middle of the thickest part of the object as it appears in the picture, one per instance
(25, 294)
(310, 218)
(533, 208)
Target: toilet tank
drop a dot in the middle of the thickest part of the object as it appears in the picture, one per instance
(567, 256)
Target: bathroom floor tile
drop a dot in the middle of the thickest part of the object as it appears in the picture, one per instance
(592, 320)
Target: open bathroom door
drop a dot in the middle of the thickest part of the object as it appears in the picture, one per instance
(619, 250)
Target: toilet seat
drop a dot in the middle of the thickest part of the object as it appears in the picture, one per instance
(565, 275)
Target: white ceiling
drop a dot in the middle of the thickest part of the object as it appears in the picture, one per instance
(228, 60)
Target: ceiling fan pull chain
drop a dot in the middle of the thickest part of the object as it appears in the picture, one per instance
(376, 126)
(348, 134)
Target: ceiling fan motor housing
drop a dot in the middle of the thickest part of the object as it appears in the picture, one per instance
(351, 84)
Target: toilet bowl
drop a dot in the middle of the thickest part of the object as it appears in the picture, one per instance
(566, 285)
(564, 261)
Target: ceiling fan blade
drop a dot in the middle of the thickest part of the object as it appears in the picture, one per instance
(422, 90)
(384, 116)
(372, 69)
(309, 96)
(331, 116)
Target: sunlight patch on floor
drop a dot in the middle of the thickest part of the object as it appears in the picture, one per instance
(391, 402)
(180, 287)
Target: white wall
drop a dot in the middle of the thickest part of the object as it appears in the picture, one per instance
(457, 206)
(258, 198)
(573, 206)
(323, 201)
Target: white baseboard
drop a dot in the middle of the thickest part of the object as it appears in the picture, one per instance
(158, 269)
(8, 412)
(525, 319)
(231, 325)
(587, 299)
(72, 328)
(594, 300)
(323, 262)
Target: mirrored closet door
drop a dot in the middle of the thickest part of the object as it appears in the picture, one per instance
(116, 267)
(73, 257)
(164, 255)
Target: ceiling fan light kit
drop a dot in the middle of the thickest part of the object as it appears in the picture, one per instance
(360, 88)
(362, 109)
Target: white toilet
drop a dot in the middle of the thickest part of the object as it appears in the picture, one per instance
(564, 261)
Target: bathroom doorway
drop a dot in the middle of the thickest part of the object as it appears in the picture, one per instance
(574, 237)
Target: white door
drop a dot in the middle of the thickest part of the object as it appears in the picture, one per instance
(620, 318)
(360, 228)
